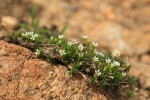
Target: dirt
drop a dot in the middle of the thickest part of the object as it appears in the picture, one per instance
(121, 24)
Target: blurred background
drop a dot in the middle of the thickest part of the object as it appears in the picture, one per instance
(114, 24)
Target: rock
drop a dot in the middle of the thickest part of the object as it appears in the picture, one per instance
(110, 35)
(141, 70)
(139, 42)
(22, 76)
(145, 58)
(147, 1)
(9, 22)
(3, 33)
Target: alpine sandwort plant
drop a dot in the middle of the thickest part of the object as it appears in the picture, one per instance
(108, 71)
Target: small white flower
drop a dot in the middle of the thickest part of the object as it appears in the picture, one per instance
(74, 42)
(70, 43)
(61, 36)
(101, 54)
(95, 44)
(52, 38)
(80, 47)
(62, 52)
(34, 36)
(108, 60)
(23, 34)
(96, 52)
(27, 34)
(124, 74)
(116, 53)
(38, 52)
(85, 37)
(31, 35)
(97, 72)
(115, 63)
(80, 55)
(95, 59)
(136, 89)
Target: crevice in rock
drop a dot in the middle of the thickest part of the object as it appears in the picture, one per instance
(16, 92)
(19, 76)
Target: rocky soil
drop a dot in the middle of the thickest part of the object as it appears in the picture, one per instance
(123, 24)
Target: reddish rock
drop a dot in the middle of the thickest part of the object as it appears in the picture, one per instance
(146, 58)
(9, 22)
(110, 35)
(22, 76)
(141, 70)
(139, 42)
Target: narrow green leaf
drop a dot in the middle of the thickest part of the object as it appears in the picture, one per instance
(63, 30)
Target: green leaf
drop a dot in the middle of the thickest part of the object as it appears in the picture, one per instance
(129, 93)
(44, 31)
(63, 30)
(26, 27)
(75, 67)
(35, 24)
(49, 57)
